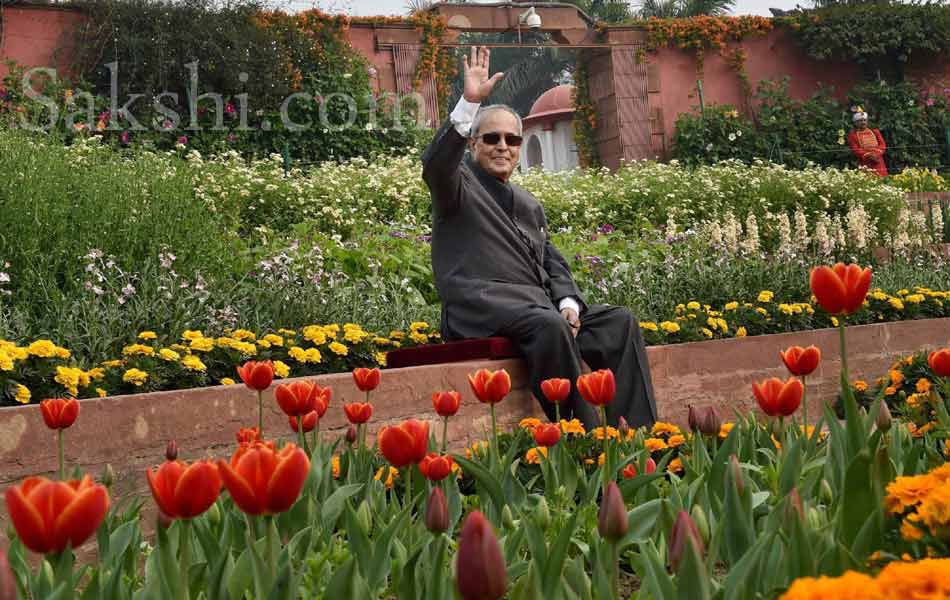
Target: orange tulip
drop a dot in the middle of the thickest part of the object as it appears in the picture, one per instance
(321, 400)
(801, 361)
(297, 398)
(262, 481)
(246, 435)
(184, 491)
(257, 375)
(630, 471)
(939, 362)
(547, 434)
(490, 387)
(309, 421)
(59, 413)
(404, 444)
(556, 390)
(358, 412)
(366, 379)
(446, 404)
(597, 388)
(777, 397)
(48, 515)
(435, 467)
(840, 290)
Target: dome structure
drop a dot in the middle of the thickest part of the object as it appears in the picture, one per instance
(549, 131)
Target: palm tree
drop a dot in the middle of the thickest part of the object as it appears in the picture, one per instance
(665, 9)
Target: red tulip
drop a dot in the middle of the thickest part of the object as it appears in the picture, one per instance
(446, 404)
(939, 362)
(48, 515)
(257, 375)
(556, 390)
(350, 435)
(262, 481)
(59, 413)
(704, 419)
(490, 387)
(321, 400)
(630, 471)
(801, 361)
(309, 421)
(435, 467)
(840, 290)
(246, 435)
(612, 520)
(182, 491)
(358, 412)
(597, 388)
(547, 434)
(7, 580)
(366, 379)
(684, 532)
(297, 398)
(437, 511)
(480, 570)
(404, 444)
(777, 397)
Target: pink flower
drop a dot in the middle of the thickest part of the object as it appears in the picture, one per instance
(183, 139)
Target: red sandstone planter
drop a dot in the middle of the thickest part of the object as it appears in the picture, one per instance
(130, 432)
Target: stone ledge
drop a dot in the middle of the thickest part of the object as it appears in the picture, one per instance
(130, 432)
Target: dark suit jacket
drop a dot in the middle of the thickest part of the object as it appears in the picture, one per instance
(489, 267)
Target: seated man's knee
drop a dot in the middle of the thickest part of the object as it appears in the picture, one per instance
(552, 325)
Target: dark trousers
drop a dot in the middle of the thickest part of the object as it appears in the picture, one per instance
(609, 338)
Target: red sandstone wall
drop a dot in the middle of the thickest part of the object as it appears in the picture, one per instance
(37, 36)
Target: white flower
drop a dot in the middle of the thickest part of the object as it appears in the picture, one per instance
(739, 133)
(732, 137)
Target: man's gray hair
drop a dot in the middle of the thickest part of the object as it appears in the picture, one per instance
(477, 122)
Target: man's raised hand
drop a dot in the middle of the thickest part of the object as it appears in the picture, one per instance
(478, 85)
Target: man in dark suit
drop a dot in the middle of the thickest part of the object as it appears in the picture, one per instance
(497, 272)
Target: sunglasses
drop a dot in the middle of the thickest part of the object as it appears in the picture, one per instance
(492, 139)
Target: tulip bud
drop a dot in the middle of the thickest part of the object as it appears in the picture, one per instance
(542, 513)
(507, 519)
(612, 520)
(108, 476)
(693, 418)
(684, 532)
(351, 434)
(364, 517)
(702, 523)
(171, 450)
(884, 418)
(480, 568)
(709, 421)
(624, 428)
(7, 581)
(214, 514)
(736, 470)
(814, 518)
(824, 492)
(793, 506)
(437, 512)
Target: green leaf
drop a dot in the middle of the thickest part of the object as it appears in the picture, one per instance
(858, 501)
(653, 573)
(407, 583)
(554, 565)
(791, 467)
(333, 507)
(485, 480)
(642, 522)
(347, 584)
(692, 579)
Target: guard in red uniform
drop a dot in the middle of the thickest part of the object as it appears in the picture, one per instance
(867, 144)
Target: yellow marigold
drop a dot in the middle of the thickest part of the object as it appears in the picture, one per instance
(896, 376)
(675, 440)
(731, 306)
(6, 362)
(380, 358)
(138, 350)
(244, 334)
(910, 531)
(476, 449)
(761, 311)
(417, 325)
(101, 392)
(741, 332)
(533, 455)
(601, 459)
(111, 364)
(355, 336)
(202, 344)
(192, 334)
(419, 338)
(381, 341)
(612, 433)
(147, 335)
(707, 332)
(227, 381)
(273, 340)
(765, 296)
(908, 491)
(693, 305)
(834, 321)
(391, 475)
(860, 385)
(193, 363)
(914, 298)
(135, 376)
(42, 349)
(287, 332)
(23, 394)
(923, 385)
(397, 335)
(924, 579)
(245, 348)
(661, 428)
(669, 326)
(723, 325)
(338, 349)
(335, 465)
(169, 354)
(529, 423)
(724, 429)
(934, 510)
(315, 334)
(574, 427)
(310, 355)
(281, 369)
(648, 325)
(654, 444)
(890, 390)
(850, 586)
(71, 379)
(896, 303)
(675, 466)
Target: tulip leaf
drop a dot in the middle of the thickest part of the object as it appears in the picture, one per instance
(537, 547)
(717, 470)
(485, 479)
(347, 584)
(219, 575)
(437, 575)
(692, 579)
(380, 564)
(407, 584)
(629, 487)
(454, 500)
(642, 521)
(739, 530)
(526, 588)
(791, 467)
(554, 565)
(854, 423)
(575, 577)
(858, 500)
(742, 572)
(653, 574)
(333, 507)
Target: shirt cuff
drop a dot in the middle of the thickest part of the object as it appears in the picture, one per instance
(462, 116)
(569, 302)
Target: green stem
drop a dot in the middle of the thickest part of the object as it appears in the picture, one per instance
(184, 557)
(445, 433)
(805, 403)
(557, 413)
(62, 455)
(259, 586)
(494, 436)
(272, 543)
(300, 435)
(614, 570)
(844, 351)
(316, 434)
(603, 424)
(260, 412)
